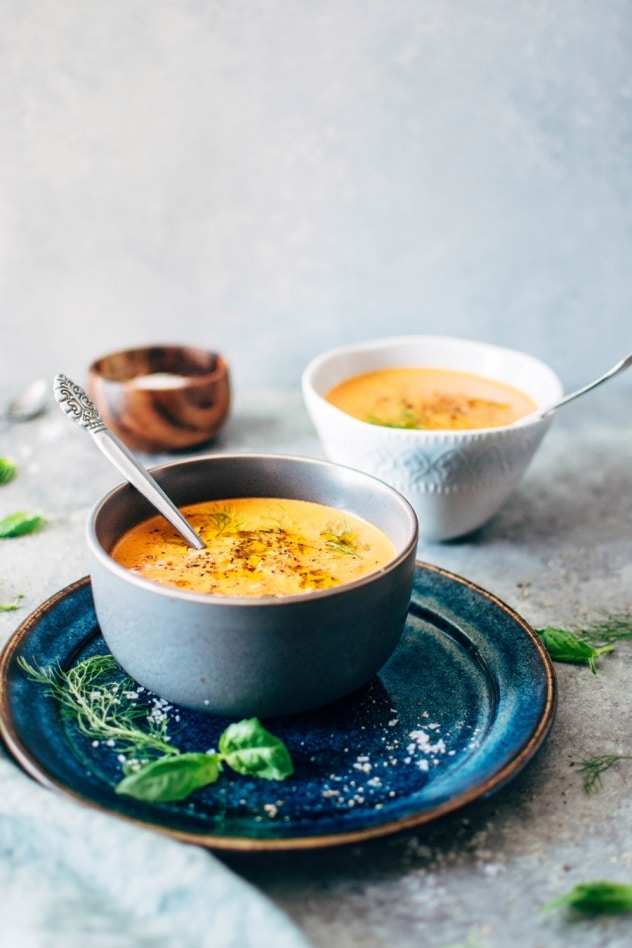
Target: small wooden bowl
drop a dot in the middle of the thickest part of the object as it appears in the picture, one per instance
(161, 398)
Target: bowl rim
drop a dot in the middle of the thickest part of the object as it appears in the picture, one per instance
(409, 547)
(312, 395)
(220, 370)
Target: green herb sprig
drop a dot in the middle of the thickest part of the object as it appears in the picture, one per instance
(409, 420)
(102, 707)
(588, 642)
(11, 606)
(340, 538)
(593, 767)
(8, 470)
(20, 523)
(607, 630)
(107, 710)
(565, 646)
(223, 521)
(595, 898)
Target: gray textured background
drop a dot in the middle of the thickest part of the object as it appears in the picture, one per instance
(274, 178)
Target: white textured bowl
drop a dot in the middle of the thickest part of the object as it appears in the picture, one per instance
(455, 480)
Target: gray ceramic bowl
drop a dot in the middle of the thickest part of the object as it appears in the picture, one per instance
(263, 656)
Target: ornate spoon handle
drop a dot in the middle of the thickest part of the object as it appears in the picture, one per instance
(76, 403)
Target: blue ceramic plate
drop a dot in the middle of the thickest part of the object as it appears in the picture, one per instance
(463, 704)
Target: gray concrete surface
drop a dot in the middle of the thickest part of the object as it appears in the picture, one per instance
(559, 553)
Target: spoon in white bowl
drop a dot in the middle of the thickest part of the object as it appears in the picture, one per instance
(76, 403)
(29, 403)
(619, 367)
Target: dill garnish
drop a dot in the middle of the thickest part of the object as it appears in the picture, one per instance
(609, 629)
(103, 708)
(593, 767)
(222, 521)
(341, 539)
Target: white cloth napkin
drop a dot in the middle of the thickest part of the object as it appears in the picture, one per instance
(73, 877)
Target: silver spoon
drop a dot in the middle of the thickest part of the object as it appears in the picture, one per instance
(74, 401)
(619, 367)
(29, 403)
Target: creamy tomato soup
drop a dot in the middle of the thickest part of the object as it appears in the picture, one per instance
(257, 546)
(434, 399)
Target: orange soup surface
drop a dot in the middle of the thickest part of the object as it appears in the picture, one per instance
(428, 398)
(256, 546)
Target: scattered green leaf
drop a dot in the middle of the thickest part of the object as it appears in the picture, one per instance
(8, 470)
(595, 898)
(171, 778)
(564, 646)
(11, 606)
(249, 748)
(17, 524)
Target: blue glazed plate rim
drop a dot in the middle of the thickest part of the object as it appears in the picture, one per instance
(463, 705)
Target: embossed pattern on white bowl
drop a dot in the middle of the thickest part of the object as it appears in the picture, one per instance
(455, 480)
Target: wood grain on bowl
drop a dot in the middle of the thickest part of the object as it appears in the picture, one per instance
(162, 398)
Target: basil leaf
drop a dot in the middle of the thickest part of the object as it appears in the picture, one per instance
(563, 646)
(250, 749)
(17, 524)
(8, 470)
(171, 777)
(596, 897)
